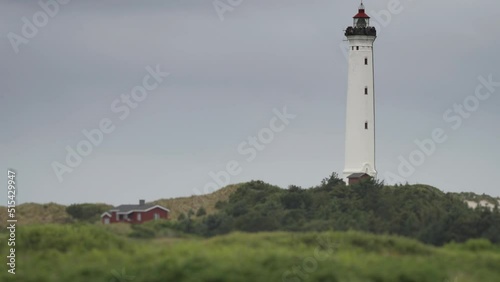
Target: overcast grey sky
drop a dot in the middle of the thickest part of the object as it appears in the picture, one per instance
(228, 71)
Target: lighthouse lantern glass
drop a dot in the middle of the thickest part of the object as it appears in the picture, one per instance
(361, 22)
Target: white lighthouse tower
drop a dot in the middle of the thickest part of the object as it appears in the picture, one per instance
(360, 113)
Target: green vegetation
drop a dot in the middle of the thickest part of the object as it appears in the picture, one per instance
(330, 232)
(72, 252)
(201, 212)
(417, 211)
(87, 212)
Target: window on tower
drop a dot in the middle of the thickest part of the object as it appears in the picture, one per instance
(366, 125)
(366, 61)
(357, 47)
(366, 90)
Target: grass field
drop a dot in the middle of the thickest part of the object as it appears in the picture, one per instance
(93, 253)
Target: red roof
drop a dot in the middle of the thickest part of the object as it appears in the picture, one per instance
(361, 14)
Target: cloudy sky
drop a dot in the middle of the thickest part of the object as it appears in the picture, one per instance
(230, 71)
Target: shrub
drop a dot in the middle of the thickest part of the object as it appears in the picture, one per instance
(142, 231)
(201, 212)
(87, 212)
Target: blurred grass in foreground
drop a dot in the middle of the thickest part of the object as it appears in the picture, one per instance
(94, 253)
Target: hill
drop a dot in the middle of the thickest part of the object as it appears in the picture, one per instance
(416, 211)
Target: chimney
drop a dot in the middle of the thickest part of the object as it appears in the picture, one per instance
(142, 202)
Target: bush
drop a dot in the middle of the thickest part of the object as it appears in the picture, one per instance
(201, 212)
(87, 212)
(181, 217)
(474, 245)
(142, 231)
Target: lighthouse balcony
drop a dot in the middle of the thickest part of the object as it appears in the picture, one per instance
(369, 30)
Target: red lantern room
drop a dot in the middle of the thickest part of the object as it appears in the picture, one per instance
(361, 19)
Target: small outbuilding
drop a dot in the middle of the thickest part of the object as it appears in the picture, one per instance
(357, 177)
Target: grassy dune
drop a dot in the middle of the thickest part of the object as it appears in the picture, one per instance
(208, 201)
(32, 213)
(93, 253)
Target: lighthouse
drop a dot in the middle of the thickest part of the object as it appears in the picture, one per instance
(360, 112)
